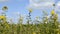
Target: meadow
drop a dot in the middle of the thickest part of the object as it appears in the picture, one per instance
(49, 25)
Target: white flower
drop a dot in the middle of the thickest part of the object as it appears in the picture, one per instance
(59, 26)
(46, 22)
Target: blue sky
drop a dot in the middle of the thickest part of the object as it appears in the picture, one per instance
(16, 7)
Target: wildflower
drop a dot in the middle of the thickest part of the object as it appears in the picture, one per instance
(34, 33)
(59, 26)
(56, 17)
(57, 30)
(30, 10)
(5, 8)
(53, 4)
(2, 17)
(58, 33)
(52, 12)
(47, 17)
(46, 22)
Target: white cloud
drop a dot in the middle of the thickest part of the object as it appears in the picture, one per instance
(57, 8)
(16, 13)
(3, 0)
(41, 3)
(58, 4)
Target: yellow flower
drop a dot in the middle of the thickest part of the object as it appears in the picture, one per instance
(52, 12)
(34, 33)
(30, 10)
(2, 17)
(58, 33)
